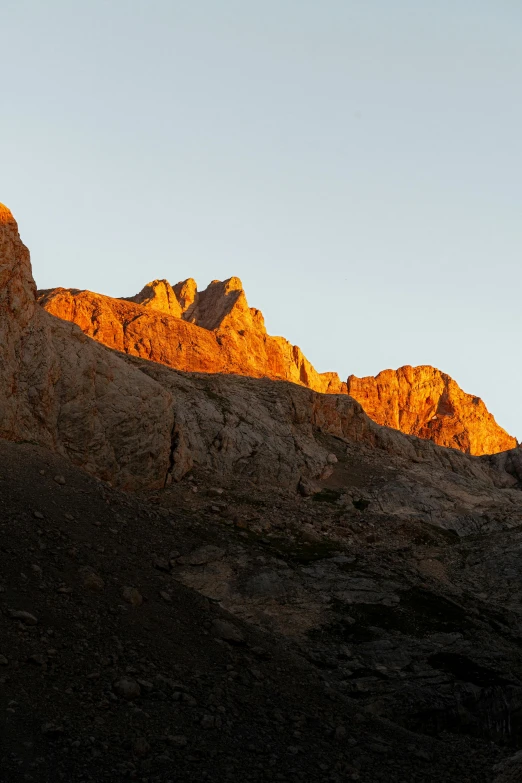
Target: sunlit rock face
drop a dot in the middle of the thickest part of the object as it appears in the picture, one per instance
(426, 402)
(213, 330)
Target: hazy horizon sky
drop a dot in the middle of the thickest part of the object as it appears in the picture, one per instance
(356, 164)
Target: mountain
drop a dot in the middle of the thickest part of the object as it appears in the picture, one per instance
(210, 576)
(426, 402)
(215, 331)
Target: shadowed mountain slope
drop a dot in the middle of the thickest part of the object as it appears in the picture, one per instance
(293, 592)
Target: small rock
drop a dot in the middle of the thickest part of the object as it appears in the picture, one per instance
(38, 515)
(228, 632)
(25, 617)
(161, 564)
(208, 722)
(127, 689)
(307, 488)
(132, 596)
(166, 597)
(93, 581)
(216, 491)
(332, 459)
(52, 730)
(311, 535)
(60, 479)
(202, 556)
(3, 660)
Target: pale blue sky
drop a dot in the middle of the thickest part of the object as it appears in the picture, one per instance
(356, 163)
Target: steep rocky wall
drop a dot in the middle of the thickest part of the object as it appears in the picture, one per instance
(141, 424)
(64, 391)
(216, 331)
(426, 402)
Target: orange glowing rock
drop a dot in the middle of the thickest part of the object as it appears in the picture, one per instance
(426, 402)
(215, 331)
(212, 331)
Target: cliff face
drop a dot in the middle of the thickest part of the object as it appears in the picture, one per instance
(428, 403)
(64, 391)
(213, 331)
(141, 424)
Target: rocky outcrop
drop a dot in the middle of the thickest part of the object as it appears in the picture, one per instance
(426, 402)
(159, 295)
(213, 331)
(66, 392)
(138, 423)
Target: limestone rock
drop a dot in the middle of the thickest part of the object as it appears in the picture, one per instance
(127, 689)
(212, 331)
(132, 596)
(63, 391)
(426, 402)
(138, 423)
(159, 295)
(215, 331)
(227, 631)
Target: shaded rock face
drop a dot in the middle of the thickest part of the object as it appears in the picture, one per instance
(428, 403)
(212, 331)
(64, 391)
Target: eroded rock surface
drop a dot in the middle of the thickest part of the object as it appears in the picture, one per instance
(215, 331)
(426, 402)
(212, 331)
(138, 423)
(64, 391)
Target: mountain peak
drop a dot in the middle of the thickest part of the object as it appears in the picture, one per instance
(215, 331)
(426, 402)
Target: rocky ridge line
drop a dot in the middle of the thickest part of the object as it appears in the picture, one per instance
(426, 402)
(215, 331)
(140, 424)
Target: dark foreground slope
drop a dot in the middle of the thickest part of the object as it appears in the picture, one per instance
(296, 593)
(214, 697)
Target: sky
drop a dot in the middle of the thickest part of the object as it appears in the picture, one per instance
(357, 163)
